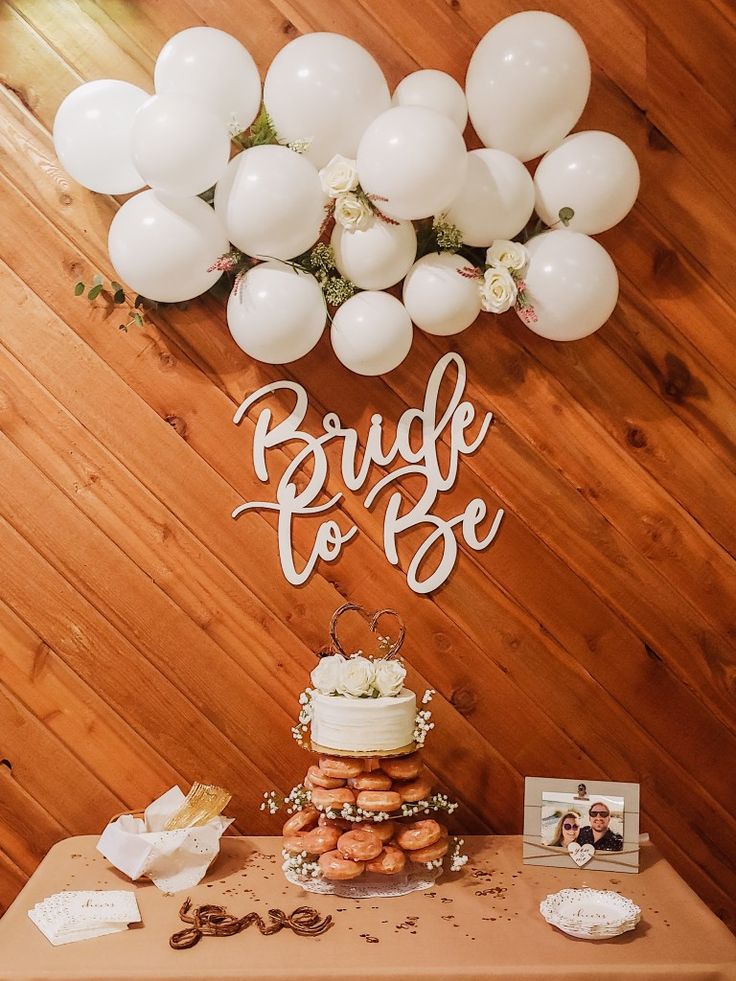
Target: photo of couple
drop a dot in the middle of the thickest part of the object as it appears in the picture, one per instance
(598, 822)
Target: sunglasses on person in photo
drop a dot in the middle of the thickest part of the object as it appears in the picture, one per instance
(570, 827)
(599, 814)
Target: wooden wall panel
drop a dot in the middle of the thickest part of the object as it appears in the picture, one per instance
(146, 638)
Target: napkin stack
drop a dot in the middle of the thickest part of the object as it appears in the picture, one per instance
(67, 917)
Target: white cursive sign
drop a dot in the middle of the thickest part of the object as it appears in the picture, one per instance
(291, 503)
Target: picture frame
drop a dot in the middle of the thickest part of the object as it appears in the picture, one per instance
(560, 831)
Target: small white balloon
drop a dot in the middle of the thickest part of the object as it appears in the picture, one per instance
(163, 247)
(433, 90)
(324, 89)
(592, 172)
(496, 199)
(276, 314)
(527, 83)
(571, 284)
(92, 130)
(413, 160)
(371, 333)
(377, 257)
(179, 146)
(271, 202)
(212, 66)
(438, 298)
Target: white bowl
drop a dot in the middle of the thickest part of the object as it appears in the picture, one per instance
(590, 914)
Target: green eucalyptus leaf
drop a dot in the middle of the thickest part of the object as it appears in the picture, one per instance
(79, 289)
(97, 280)
(138, 319)
(115, 286)
(95, 292)
(119, 296)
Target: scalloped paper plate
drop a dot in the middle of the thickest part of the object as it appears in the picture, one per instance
(590, 914)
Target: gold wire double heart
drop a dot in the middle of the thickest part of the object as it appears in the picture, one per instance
(372, 619)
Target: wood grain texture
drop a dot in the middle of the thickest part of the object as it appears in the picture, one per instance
(146, 638)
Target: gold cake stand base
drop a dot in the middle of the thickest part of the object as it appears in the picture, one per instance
(363, 754)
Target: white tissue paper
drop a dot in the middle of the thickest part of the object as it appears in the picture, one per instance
(69, 916)
(173, 860)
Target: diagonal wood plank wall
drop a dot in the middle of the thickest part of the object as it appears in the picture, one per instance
(146, 639)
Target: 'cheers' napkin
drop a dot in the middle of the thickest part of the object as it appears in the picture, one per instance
(67, 917)
(173, 860)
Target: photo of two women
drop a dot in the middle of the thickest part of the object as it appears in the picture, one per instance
(597, 822)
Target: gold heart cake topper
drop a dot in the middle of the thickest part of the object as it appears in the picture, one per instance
(372, 619)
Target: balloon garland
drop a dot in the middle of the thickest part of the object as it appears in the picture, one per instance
(341, 191)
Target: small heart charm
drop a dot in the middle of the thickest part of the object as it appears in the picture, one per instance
(580, 854)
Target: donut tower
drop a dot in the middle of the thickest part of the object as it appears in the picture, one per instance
(365, 811)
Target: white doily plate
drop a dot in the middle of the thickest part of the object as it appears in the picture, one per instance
(590, 914)
(370, 885)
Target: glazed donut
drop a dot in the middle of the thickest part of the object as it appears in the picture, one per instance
(341, 823)
(334, 866)
(319, 779)
(377, 780)
(303, 820)
(415, 790)
(379, 800)
(371, 763)
(403, 767)
(391, 861)
(321, 840)
(359, 846)
(323, 799)
(295, 843)
(308, 783)
(340, 767)
(383, 829)
(418, 834)
(431, 853)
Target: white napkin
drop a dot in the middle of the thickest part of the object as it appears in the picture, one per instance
(67, 917)
(173, 860)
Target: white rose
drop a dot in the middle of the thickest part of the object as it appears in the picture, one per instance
(357, 676)
(513, 255)
(390, 678)
(326, 675)
(338, 176)
(352, 212)
(498, 290)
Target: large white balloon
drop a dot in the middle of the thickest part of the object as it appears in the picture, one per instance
(326, 89)
(92, 130)
(437, 298)
(377, 257)
(163, 247)
(433, 90)
(496, 199)
(179, 145)
(371, 333)
(277, 314)
(271, 202)
(592, 172)
(214, 67)
(413, 160)
(527, 83)
(571, 283)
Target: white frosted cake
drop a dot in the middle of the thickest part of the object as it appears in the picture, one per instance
(364, 725)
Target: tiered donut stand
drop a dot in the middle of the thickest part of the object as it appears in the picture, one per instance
(379, 851)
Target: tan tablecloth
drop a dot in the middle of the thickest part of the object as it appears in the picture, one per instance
(483, 923)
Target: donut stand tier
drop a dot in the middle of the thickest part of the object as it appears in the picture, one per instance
(379, 851)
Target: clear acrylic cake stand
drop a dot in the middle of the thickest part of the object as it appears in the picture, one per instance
(370, 885)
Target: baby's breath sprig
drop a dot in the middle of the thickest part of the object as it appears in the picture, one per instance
(299, 866)
(296, 800)
(320, 262)
(299, 731)
(422, 726)
(448, 237)
(457, 858)
(437, 802)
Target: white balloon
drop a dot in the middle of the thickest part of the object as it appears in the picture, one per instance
(214, 67)
(277, 314)
(163, 247)
(92, 135)
(324, 88)
(376, 257)
(371, 333)
(414, 160)
(496, 199)
(527, 83)
(179, 146)
(572, 285)
(433, 90)
(271, 202)
(437, 298)
(592, 172)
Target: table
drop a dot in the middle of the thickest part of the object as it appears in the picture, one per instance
(482, 923)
